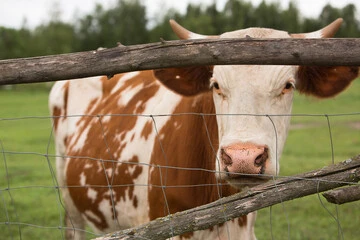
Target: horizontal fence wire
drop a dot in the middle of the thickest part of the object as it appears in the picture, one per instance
(14, 167)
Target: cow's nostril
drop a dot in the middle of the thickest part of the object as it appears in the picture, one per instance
(261, 158)
(226, 158)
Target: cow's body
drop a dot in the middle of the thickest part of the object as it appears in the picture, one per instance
(135, 141)
(130, 150)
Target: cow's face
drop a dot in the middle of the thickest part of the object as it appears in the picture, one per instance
(253, 103)
(253, 107)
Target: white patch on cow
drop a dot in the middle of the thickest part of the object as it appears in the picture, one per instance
(138, 104)
(177, 125)
(151, 170)
(123, 79)
(87, 166)
(92, 194)
(99, 165)
(90, 215)
(90, 89)
(130, 93)
(105, 119)
(82, 179)
(79, 144)
(109, 172)
(154, 106)
(57, 95)
(105, 207)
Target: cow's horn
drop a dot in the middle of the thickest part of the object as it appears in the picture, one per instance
(183, 33)
(327, 32)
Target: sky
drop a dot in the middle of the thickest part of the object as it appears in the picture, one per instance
(13, 12)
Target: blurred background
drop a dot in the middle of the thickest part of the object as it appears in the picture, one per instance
(34, 28)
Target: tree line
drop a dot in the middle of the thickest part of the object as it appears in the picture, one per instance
(126, 23)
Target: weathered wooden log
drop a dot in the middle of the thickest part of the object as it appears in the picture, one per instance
(343, 195)
(182, 53)
(255, 198)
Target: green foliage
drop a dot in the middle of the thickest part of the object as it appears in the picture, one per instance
(126, 23)
(14, 43)
(53, 38)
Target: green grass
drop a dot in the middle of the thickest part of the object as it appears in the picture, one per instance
(26, 142)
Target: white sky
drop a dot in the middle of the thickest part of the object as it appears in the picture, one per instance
(13, 12)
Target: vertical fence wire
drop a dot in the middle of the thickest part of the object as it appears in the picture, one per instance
(217, 162)
(8, 223)
(163, 179)
(60, 206)
(336, 217)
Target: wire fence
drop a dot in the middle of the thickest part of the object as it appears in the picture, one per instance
(32, 207)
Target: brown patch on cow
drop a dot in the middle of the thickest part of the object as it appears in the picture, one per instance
(197, 187)
(101, 181)
(109, 84)
(147, 129)
(56, 113)
(187, 81)
(242, 221)
(66, 98)
(61, 113)
(135, 202)
(89, 109)
(102, 142)
(187, 235)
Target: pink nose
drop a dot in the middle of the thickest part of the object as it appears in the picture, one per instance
(244, 158)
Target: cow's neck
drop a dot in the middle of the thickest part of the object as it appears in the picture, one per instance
(186, 188)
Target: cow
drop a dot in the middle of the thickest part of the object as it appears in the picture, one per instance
(146, 144)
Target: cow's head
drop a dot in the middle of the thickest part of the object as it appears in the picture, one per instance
(253, 102)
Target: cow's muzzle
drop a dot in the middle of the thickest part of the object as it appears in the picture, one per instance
(244, 163)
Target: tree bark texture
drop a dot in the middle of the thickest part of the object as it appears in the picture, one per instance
(343, 195)
(261, 196)
(181, 53)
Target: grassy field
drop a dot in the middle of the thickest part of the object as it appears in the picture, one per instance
(29, 201)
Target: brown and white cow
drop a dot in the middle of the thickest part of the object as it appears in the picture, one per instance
(145, 144)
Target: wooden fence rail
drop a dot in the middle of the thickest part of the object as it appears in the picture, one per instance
(181, 53)
(256, 198)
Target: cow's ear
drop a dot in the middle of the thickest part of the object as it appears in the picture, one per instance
(187, 81)
(324, 82)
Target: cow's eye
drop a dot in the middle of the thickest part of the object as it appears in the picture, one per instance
(289, 86)
(215, 85)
